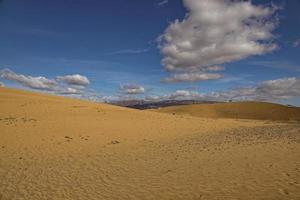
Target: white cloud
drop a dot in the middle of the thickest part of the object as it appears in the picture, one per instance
(214, 68)
(76, 83)
(239, 94)
(110, 98)
(266, 91)
(296, 43)
(284, 88)
(191, 77)
(217, 32)
(38, 82)
(163, 2)
(132, 89)
(185, 94)
(194, 75)
(69, 90)
(75, 79)
(280, 88)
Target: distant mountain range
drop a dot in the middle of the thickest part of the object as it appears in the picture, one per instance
(142, 104)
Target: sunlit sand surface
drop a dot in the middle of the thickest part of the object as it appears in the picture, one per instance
(237, 110)
(58, 148)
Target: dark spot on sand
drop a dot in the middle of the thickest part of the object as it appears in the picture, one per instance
(115, 142)
(79, 106)
(84, 137)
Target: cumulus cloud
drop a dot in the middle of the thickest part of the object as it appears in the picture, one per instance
(75, 79)
(163, 2)
(39, 82)
(216, 32)
(280, 89)
(132, 89)
(271, 90)
(191, 77)
(284, 88)
(75, 83)
(214, 68)
(184, 94)
(69, 91)
(203, 74)
(177, 95)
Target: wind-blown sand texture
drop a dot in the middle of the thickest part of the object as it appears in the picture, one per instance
(59, 148)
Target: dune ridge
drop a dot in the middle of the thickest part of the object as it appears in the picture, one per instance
(59, 148)
(237, 110)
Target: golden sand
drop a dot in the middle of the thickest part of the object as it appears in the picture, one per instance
(237, 110)
(58, 148)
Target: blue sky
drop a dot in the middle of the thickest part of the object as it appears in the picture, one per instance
(114, 44)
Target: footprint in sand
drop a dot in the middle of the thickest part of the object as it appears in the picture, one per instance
(284, 191)
(84, 137)
(68, 138)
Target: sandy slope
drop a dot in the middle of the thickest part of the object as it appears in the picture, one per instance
(58, 148)
(237, 110)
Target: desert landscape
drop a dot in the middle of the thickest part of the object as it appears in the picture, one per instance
(149, 100)
(59, 148)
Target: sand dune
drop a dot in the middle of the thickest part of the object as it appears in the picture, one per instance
(237, 110)
(58, 148)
